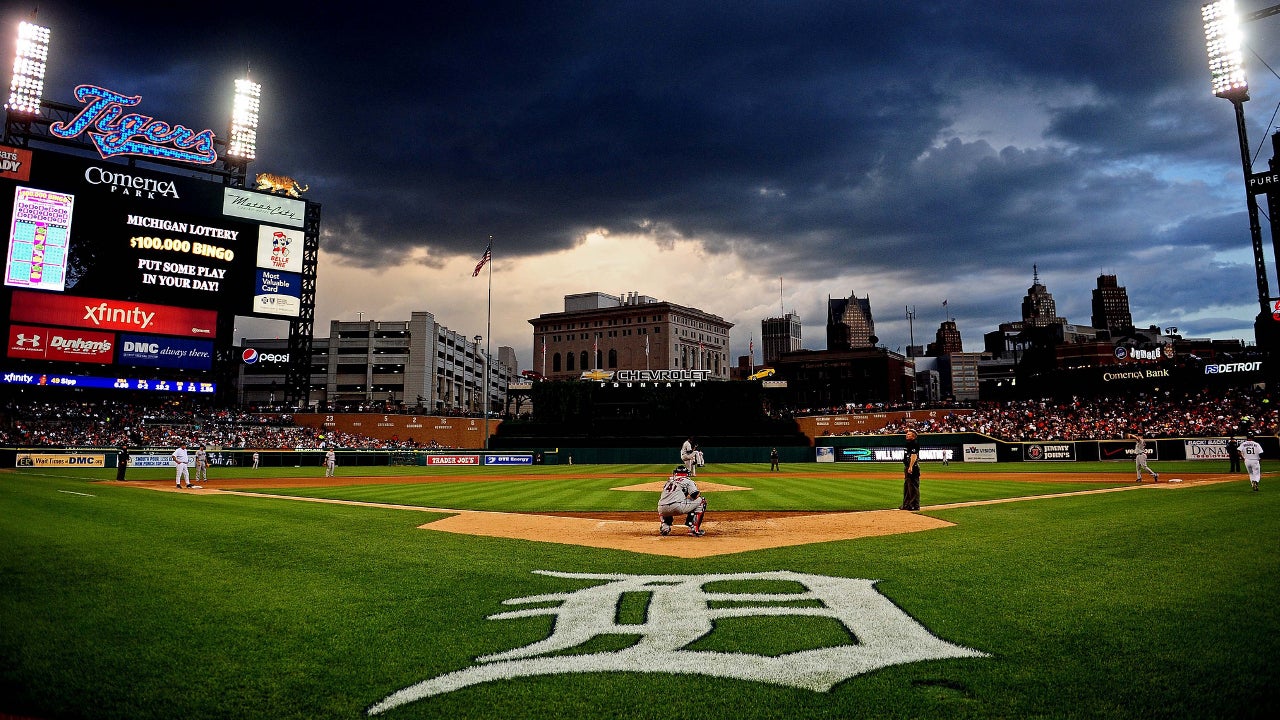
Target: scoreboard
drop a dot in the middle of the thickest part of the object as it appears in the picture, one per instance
(129, 277)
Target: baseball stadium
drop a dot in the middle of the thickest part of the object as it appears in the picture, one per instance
(170, 553)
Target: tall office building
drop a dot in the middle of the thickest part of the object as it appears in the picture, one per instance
(1111, 306)
(947, 340)
(1038, 307)
(779, 335)
(418, 363)
(603, 332)
(849, 323)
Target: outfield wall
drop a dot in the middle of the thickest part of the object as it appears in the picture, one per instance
(955, 447)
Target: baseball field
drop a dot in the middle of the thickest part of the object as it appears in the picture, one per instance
(1054, 591)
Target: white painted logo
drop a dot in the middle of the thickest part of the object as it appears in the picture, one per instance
(680, 612)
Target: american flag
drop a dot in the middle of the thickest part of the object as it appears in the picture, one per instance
(488, 255)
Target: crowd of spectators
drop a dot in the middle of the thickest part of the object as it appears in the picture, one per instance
(113, 424)
(1203, 414)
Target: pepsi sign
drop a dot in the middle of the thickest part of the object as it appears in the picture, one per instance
(252, 356)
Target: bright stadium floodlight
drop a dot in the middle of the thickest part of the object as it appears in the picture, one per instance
(1223, 41)
(27, 86)
(244, 120)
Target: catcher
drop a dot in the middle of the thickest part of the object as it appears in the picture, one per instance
(680, 496)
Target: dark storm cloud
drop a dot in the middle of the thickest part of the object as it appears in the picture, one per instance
(818, 135)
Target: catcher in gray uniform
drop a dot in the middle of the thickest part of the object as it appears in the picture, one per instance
(680, 496)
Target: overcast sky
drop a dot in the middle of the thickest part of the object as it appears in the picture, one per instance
(743, 158)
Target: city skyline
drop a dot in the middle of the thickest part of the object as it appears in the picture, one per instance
(746, 161)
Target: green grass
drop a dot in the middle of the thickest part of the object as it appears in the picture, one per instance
(117, 602)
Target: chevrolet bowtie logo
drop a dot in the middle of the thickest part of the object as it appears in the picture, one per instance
(597, 375)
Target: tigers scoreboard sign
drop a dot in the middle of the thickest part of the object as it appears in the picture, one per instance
(134, 268)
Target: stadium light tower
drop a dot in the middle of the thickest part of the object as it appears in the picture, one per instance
(27, 86)
(1224, 42)
(243, 143)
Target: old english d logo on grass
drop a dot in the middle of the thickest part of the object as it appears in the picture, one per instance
(680, 612)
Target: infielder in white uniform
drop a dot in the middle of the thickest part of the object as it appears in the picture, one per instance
(680, 496)
(1140, 458)
(1251, 451)
(329, 461)
(180, 460)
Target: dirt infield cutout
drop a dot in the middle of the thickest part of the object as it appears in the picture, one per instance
(727, 532)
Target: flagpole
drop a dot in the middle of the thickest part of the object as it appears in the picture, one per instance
(488, 331)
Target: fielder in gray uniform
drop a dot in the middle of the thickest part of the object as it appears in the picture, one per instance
(1140, 458)
(680, 496)
(687, 456)
(202, 464)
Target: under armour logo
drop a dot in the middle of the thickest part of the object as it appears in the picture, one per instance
(24, 341)
(680, 612)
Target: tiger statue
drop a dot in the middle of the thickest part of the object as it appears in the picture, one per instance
(282, 184)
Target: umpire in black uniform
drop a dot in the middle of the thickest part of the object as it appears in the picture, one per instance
(1233, 454)
(911, 473)
(122, 461)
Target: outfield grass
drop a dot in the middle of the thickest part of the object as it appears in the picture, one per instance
(118, 602)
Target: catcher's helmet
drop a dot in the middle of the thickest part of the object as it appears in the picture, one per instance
(680, 470)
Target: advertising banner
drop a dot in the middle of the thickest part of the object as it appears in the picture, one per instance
(453, 459)
(84, 312)
(39, 234)
(263, 207)
(167, 352)
(1206, 449)
(60, 460)
(979, 452)
(15, 163)
(1049, 452)
(280, 249)
(277, 293)
(508, 459)
(890, 454)
(150, 460)
(825, 454)
(37, 343)
(1123, 450)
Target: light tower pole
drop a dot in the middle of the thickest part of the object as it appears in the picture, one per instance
(1223, 42)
